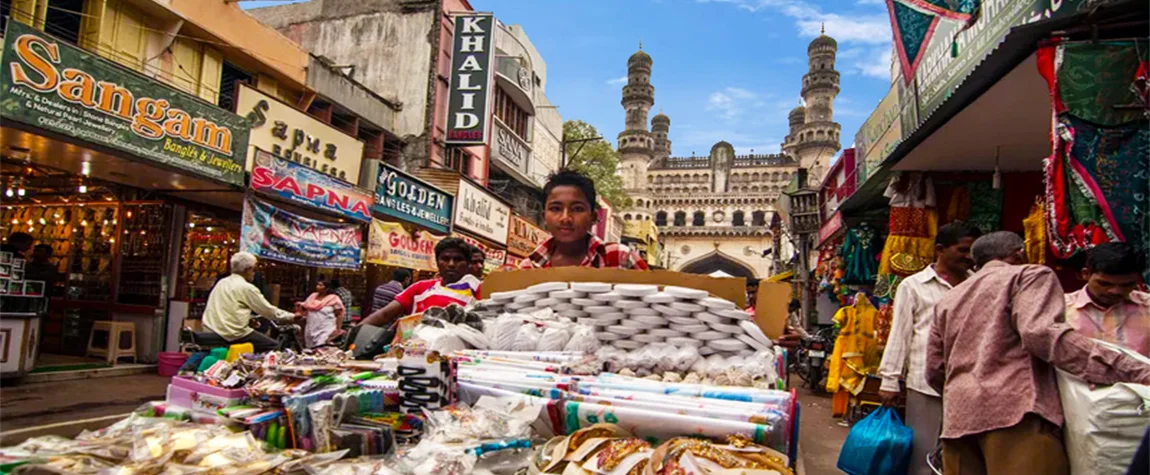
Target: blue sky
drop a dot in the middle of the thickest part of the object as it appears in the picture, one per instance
(723, 69)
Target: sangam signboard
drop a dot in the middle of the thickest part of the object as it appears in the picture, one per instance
(64, 89)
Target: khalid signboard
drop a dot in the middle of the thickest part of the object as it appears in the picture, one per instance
(392, 245)
(524, 237)
(405, 197)
(272, 233)
(481, 213)
(59, 87)
(468, 99)
(295, 136)
(294, 182)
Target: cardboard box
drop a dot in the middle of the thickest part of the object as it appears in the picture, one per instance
(770, 307)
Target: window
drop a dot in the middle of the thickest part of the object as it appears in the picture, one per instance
(627, 217)
(661, 218)
(759, 218)
(737, 219)
(680, 218)
(699, 219)
(62, 19)
(231, 76)
(458, 159)
(507, 111)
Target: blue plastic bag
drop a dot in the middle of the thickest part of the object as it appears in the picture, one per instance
(877, 445)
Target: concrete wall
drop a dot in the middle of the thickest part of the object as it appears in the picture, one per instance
(389, 41)
(337, 88)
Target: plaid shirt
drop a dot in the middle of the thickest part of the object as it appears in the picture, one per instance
(599, 254)
(347, 299)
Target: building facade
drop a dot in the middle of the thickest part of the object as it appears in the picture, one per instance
(714, 212)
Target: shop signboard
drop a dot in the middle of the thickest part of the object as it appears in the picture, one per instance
(878, 136)
(509, 149)
(58, 87)
(297, 183)
(941, 71)
(481, 213)
(524, 236)
(393, 245)
(275, 234)
(515, 261)
(410, 199)
(295, 136)
(495, 258)
(469, 96)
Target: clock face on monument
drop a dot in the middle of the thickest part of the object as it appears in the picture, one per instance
(525, 79)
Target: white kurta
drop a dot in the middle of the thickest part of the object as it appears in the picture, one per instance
(321, 324)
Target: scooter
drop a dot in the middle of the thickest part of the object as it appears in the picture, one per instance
(288, 335)
(813, 354)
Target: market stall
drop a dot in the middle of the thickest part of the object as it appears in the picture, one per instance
(537, 377)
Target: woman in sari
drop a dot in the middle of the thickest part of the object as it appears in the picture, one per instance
(324, 310)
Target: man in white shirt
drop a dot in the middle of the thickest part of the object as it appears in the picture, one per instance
(231, 303)
(910, 332)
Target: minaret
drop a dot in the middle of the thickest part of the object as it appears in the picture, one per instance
(818, 137)
(636, 145)
(660, 126)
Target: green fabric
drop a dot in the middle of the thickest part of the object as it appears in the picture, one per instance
(1116, 158)
(1093, 78)
(985, 207)
(913, 28)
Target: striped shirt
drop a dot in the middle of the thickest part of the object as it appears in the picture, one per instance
(384, 294)
(599, 254)
(432, 293)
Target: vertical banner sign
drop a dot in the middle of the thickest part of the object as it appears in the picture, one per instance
(294, 182)
(272, 233)
(481, 213)
(410, 199)
(467, 103)
(64, 89)
(390, 244)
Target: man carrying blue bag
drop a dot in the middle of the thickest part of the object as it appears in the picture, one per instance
(996, 340)
(877, 445)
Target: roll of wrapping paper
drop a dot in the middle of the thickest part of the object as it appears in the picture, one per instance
(468, 361)
(662, 426)
(547, 356)
(757, 416)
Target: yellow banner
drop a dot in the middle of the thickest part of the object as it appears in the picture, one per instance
(392, 245)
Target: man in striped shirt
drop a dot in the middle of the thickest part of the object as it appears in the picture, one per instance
(385, 293)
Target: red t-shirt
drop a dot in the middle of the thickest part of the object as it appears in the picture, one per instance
(432, 293)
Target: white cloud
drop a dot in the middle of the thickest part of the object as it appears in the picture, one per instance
(730, 102)
(872, 28)
(874, 63)
(619, 81)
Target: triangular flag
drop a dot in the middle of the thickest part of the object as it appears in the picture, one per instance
(912, 32)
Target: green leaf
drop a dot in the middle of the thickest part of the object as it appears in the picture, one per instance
(597, 159)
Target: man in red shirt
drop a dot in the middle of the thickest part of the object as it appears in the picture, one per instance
(453, 285)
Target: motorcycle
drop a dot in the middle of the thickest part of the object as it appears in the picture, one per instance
(288, 335)
(812, 356)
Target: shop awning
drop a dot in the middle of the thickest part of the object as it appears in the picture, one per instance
(781, 277)
(1000, 113)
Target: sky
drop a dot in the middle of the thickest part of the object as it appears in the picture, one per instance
(723, 69)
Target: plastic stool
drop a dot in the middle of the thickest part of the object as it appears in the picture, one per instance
(115, 330)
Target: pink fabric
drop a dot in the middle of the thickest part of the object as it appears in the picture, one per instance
(1126, 324)
(994, 345)
(314, 302)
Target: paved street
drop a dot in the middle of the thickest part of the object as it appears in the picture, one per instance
(37, 404)
(820, 435)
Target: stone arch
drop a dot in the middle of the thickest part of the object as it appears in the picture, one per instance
(738, 218)
(718, 261)
(759, 218)
(699, 218)
(680, 218)
(627, 217)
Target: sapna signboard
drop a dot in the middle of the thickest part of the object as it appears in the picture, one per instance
(294, 182)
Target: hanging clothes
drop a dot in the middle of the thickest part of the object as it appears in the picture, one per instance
(859, 255)
(856, 350)
(1098, 178)
(909, 246)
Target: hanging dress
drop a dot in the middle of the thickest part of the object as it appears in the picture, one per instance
(856, 350)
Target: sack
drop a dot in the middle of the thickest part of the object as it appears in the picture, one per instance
(877, 445)
(1103, 426)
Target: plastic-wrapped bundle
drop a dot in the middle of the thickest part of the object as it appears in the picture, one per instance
(554, 338)
(664, 355)
(439, 339)
(684, 358)
(582, 339)
(527, 338)
(502, 333)
(716, 364)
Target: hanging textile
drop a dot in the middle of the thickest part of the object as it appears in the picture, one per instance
(985, 207)
(914, 23)
(1034, 226)
(856, 351)
(859, 255)
(1098, 177)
